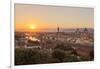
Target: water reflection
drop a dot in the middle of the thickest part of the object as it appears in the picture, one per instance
(33, 38)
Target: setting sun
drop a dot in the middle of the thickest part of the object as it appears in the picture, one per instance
(32, 27)
(66, 17)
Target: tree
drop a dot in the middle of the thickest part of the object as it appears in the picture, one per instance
(65, 47)
(59, 54)
(91, 54)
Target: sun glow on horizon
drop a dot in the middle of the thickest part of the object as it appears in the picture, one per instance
(32, 27)
(29, 18)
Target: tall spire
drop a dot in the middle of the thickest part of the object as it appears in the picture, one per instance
(57, 32)
(57, 29)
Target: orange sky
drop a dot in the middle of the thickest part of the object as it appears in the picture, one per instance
(37, 17)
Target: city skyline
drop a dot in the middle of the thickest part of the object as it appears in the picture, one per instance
(40, 17)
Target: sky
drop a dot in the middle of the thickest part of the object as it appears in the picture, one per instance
(34, 17)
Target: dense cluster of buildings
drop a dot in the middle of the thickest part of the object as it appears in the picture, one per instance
(51, 39)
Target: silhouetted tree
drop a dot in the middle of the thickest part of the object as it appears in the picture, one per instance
(65, 47)
(30, 56)
(59, 54)
(91, 55)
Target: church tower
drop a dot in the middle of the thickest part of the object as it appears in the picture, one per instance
(58, 30)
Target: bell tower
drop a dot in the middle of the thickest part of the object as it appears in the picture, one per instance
(58, 29)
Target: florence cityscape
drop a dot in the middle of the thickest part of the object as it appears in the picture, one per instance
(53, 34)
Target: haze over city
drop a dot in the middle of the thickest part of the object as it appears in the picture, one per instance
(36, 18)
